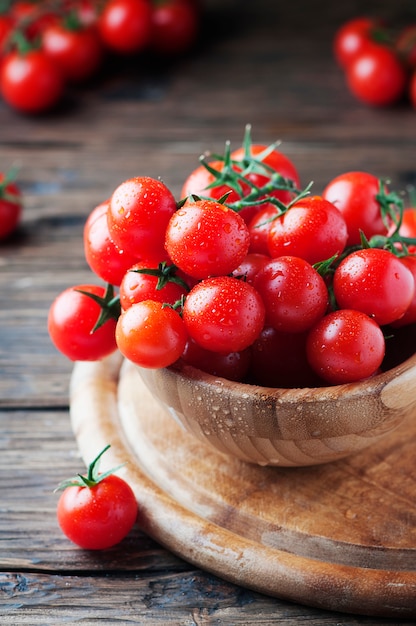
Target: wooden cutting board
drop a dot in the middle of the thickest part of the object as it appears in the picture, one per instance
(340, 536)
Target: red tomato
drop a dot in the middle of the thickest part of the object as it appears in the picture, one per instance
(150, 334)
(345, 346)
(206, 238)
(231, 365)
(125, 25)
(30, 82)
(352, 38)
(139, 211)
(375, 282)
(137, 285)
(32, 18)
(377, 77)
(250, 267)
(354, 195)
(294, 294)
(77, 52)
(10, 207)
(410, 315)
(72, 317)
(223, 314)
(259, 228)
(312, 229)
(105, 259)
(174, 26)
(96, 511)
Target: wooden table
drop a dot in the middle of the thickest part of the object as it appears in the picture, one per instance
(262, 63)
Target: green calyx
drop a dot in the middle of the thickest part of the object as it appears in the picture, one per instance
(234, 175)
(109, 306)
(165, 274)
(93, 476)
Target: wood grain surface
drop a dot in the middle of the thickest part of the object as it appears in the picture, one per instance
(265, 63)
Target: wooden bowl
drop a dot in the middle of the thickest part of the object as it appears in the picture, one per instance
(285, 427)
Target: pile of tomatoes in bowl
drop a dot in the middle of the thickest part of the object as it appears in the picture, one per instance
(48, 46)
(379, 61)
(249, 276)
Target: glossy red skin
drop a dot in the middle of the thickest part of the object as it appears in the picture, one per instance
(410, 315)
(138, 214)
(105, 259)
(99, 517)
(377, 77)
(206, 238)
(354, 195)
(279, 360)
(232, 365)
(312, 229)
(10, 210)
(77, 53)
(30, 83)
(352, 37)
(72, 316)
(125, 25)
(136, 287)
(345, 346)
(375, 282)
(294, 294)
(259, 228)
(223, 314)
(174, 26)
(250, 267)
(151, 335)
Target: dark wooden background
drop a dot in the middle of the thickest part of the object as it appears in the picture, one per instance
(265, 63)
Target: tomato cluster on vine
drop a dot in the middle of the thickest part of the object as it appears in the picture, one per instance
(50, 45)
(248, 276)
(379, 61)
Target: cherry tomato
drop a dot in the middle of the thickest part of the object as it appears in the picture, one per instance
(10, 206)
(377, 76)
(259, 228)
(150, 334)
(250, 267)
(125, 25)
(231, 365)
(294, 294)
(105, 259)
(138, 213)
(206, 238)
(30, 82)
(345, 346)
(410, 315)
(354, 195)
(312, 229)
(353, 37)
(96, 511)
(77, 52)
(375, 282)
(71, 320)
(32, 18)
(137, 285)
(174, 26)
(6, 29)
(223, 314)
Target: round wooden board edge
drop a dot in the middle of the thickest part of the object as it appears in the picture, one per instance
(341, 588)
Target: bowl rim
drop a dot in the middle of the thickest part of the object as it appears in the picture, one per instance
(187, 371)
